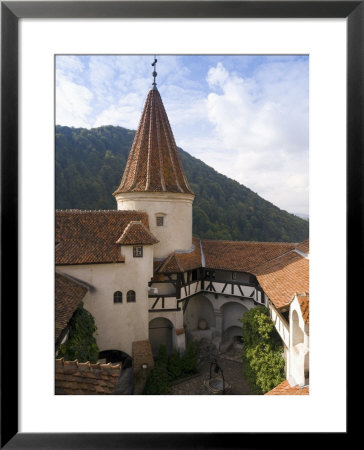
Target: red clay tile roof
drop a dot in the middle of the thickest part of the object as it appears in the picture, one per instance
(181, 262)
(285, 389)
(241, 256)
(87, 237)
(304, 301)
(154, 164)
(74, 378)
(69, 295)
(283, 276)
(136, 233)
(304, 246)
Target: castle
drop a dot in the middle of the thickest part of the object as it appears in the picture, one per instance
(144, 277)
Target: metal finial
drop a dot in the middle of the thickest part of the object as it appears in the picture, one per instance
(154, 64)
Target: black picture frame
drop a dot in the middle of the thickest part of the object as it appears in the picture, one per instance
(11, 12)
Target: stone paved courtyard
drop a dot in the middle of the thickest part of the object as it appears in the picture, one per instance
(231, 364)
(232, 373)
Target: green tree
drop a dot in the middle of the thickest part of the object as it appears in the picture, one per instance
(162, 357)
(81, 343)
(175, 365)
(157, 382)
(90, 164)
(189, 359)
(262, 351)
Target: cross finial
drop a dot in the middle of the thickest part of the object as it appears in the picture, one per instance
(154, 64)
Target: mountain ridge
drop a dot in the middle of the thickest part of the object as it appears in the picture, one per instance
(89, 164)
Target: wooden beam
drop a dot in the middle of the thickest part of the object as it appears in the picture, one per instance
(153, 306)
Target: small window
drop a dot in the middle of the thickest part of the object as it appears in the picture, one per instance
(130, 296)
(233, 275)
(137, 252)
(160, 221)
(118, 297)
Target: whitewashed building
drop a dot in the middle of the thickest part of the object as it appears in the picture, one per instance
(148, 278)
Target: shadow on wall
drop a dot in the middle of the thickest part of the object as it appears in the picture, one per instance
(199, 308)
(116, 356)
(161, 333)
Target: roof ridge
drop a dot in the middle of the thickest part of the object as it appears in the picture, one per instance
(250, 242)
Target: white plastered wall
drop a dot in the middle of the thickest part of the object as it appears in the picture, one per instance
(299, 345)
(119, 324)
(176, 233)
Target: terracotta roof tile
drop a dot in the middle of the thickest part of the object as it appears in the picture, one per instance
(285, 389)
(74, 378)
(181, 262)
(136, 233)
(68, 296)
(283, 276)
(87, 237)
(154, 164)
(304, 301)
(241, 256)
(304, 246)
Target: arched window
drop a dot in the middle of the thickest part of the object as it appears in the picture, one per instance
(130, 296)
(118, 297)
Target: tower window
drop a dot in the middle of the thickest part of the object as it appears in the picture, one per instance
(160, 221)
(130, 296)
(118, 297)
(138, 252)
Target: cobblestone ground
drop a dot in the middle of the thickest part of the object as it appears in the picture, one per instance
(232, 367)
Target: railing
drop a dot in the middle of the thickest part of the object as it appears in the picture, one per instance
(280, 323)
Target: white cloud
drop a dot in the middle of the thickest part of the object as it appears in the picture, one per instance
(262, 124)
(253, 129)
(73, 103)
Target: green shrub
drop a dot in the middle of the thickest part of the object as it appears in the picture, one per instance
(81, 343)
(175, 365)
(162, 358)
(189, 359)
(262, 351)
(157, 382)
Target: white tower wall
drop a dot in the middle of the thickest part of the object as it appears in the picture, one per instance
(176, 210)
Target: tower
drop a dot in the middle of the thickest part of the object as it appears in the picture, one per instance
(154, 180)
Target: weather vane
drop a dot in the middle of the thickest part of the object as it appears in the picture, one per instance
(154, 64)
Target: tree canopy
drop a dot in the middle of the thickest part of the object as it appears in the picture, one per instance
(90, 164)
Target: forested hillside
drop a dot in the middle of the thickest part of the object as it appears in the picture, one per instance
(90, 164)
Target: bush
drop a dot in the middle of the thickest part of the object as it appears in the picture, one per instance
(175, 368)
(162, 358)
(81, 343)
(262, 351)
(169, 369)
(157, 382)
(189, 359)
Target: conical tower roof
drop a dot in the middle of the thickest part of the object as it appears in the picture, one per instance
(154, 163)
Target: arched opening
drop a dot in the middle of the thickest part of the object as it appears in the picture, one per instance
(297, 354)
(116, 356)
(232, 312)
(161, 333)
(198, 311)
(231, 326)
(130, 297)
(297, 332)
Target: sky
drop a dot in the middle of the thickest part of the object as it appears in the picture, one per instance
(247, 116)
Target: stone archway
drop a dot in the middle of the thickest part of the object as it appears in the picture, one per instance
(199, 318)
(161, 333)
(231, 326)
